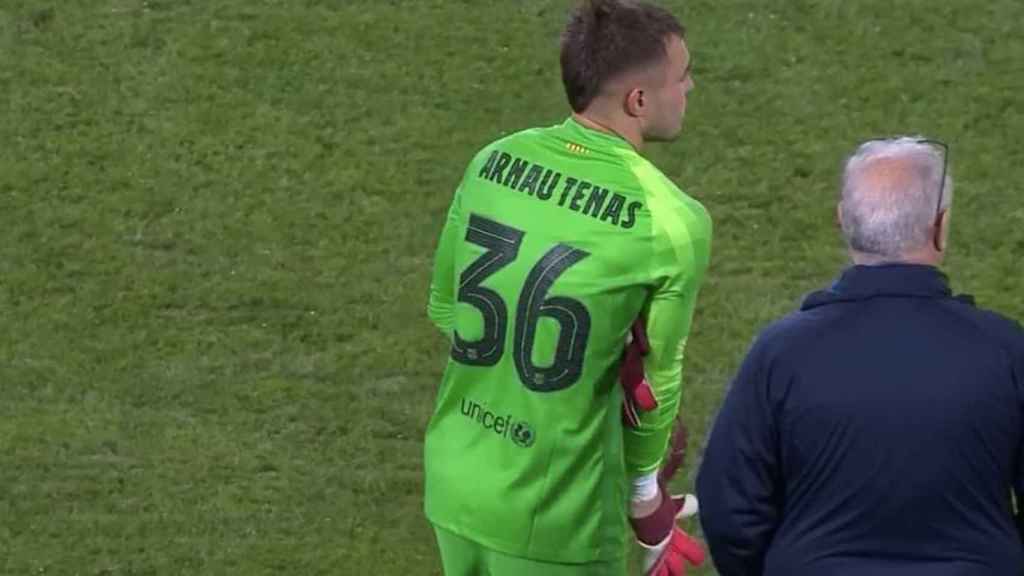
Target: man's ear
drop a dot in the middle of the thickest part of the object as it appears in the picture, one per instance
(635, 103)
(941, 236)
(839, 216)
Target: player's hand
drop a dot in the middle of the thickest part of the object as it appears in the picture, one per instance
(667, 548)
(656, 524)
(638, 396)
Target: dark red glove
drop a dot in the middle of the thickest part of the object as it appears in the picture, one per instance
(637, 394)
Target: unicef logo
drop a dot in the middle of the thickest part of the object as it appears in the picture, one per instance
(504, 426)
(523, 435)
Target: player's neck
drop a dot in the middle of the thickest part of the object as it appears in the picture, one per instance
(623, 130)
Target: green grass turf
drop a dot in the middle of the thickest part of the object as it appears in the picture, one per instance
(217, 221)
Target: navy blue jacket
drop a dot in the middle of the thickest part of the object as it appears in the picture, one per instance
(875, 432)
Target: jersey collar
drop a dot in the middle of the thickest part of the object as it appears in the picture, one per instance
(595, 138)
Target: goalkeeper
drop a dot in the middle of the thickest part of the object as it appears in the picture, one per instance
(559, 240)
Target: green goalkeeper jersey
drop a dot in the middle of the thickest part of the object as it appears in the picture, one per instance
(557, 239)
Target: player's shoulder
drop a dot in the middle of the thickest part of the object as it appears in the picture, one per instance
(506, 141)
(510, 145)
(666, 201)
(518, 138)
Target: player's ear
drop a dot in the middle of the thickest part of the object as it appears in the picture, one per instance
(635, 103)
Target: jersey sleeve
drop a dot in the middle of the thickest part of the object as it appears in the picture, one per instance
(441, 305)
(683, 247)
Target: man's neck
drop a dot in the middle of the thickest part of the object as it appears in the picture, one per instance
(923, 257)
(623, 130)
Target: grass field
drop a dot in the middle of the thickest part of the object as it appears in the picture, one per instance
(217, 221)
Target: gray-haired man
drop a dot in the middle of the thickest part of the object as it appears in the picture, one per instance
(879, 429)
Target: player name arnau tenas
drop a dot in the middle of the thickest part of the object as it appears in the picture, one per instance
(573, 193)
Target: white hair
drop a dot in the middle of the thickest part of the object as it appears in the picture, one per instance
(890, 219)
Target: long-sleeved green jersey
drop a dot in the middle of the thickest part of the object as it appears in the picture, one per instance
(557, 239)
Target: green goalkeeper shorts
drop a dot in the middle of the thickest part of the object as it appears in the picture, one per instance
(463, 557)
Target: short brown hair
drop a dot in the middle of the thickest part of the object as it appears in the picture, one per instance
(605, 38)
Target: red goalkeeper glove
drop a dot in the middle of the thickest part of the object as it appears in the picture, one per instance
(638, 396)
(671, 557)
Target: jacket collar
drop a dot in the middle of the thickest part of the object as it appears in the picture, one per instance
(863, 282)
